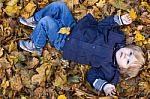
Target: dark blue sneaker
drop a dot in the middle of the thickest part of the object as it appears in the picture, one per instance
(29, 46)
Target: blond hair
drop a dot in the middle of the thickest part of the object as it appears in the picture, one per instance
(135, 67)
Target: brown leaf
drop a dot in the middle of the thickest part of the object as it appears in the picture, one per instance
(16, 83)
(32, 63)
(38, 92)
(1, 52)
(43, 72)
(60, 78)
(26, 79)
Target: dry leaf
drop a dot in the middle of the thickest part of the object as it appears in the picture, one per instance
(146, 5)
(145, 86)
(61, 97)
(92, 2)
(1, 52)
(101, 3)
(12, 2)
(133, 14)
(119, 4)
(64, 30)
(28, 10)
(43, 71)
(32, 63)
(60, 78)
(15, 83)
(11, 10)
(25, 77)
(12, 47)
(4, 63)
(138, 36)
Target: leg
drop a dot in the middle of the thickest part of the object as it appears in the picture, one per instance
(57, 10)
(47, 28)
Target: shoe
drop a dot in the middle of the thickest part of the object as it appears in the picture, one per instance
(29, 46)
(28, 22)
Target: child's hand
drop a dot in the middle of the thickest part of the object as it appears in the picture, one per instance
(109, 89)
(126, 19)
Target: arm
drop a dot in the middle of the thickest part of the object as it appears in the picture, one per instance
(93, 77)
(113, 21)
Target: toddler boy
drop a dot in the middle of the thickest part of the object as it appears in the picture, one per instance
(96, 43)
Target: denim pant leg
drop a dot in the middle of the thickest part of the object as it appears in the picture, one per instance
(47, 28)
(57, 10)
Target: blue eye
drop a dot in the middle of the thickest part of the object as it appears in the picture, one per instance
(128, 62)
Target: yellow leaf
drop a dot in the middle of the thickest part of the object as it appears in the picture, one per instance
(1, 52)
(12, 2)
(5, 83)
(138, 36)
(133, 14)
(30, 6)
(12, 47)
(145, 4)
(101, 3)
(29, 9)
(60, 78)
(92, 2)
(11, 10)
(12, 59)
(42, 73)
(64, 30)
(61, 97)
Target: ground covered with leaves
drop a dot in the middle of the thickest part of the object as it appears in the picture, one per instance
(26, 76)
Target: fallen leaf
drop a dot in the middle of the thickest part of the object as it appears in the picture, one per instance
(25, 77)
(12, 47)
(92, 2)
(119, 4)
(11, 10)
(145, 86)
(74, 79)
(38, 92)
(61, 97)
(28, 10)
(1, 52)
(145, 4)
(138, 36)
(15, 83)
(32, 63)
(12, 59)
(12, 2)
(60, 78)
(101, 3)
(133, 14)
(64, 30)
(4, 63)
(43, 71)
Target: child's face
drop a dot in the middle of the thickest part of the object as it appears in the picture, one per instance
(125, 57)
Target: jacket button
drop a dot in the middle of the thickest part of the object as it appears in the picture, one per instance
(93, 46)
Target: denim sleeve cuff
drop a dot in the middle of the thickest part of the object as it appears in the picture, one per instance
(118, 19)
(99, 84)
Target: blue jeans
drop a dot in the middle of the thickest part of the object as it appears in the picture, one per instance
(49, 20)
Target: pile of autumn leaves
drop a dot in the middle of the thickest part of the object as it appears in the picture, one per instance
(24, 75)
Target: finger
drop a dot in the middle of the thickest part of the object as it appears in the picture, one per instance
(113, 92)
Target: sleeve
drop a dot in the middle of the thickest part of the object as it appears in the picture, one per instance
(96, 78)
(111, 21)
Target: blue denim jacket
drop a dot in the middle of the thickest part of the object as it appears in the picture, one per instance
(94, 43)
